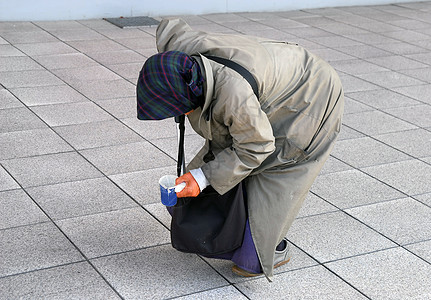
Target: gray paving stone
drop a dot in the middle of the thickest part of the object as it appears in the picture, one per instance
(143, 186)
(31, 96)
(421, 74)
(18, 209)
(313, 205)
(383, 98)
(371, 38)
(51, 48)
(122, 33)
(333, 165)
(403, 220)
(348, 133)
(400, 274)
(50, 169)
(114, 232)
(147, 52)
(117, 57)
(151, 130)
(411, 177)
(128, 71)
(160, 213)
(375, 122)
(422, 249)
(352, 106)
(342, 29)
(30, 142)
(310, 283)
(334, 236)
(127, 158)
(18, 27)
(406, 35)
(158, 272)
(304, 33)
(352, 188)
(331, 55)
(7, 100)
(96, 23)
(357, 66)
(30, 78)
(9, 51)
(60, 24)
(65, 61)
(33, 247)
(401, 48)
(97, 134)
(396, 62)
(418, 114)
(390, 79)
(6, 181)
(18, 63)
(228, 292)
(80, 198)
(67, 35)
(354, 84)
(120, 108)
(422, 57)
(410, 24)
(192, 144)
(21, 37)
(86, 74)
(76, 281)
(70, 113)
(271, 33)
(335, 41)
(20, 118)
(425, 198)
(96, 46)
(352, 152)
(3, 42)
(414, 142)
(363, 51)
(140, 43)
(418, 92)
(100, 90)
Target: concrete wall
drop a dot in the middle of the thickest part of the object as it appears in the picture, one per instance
(36, 10)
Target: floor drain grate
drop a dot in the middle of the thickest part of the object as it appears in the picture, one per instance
(132, 21)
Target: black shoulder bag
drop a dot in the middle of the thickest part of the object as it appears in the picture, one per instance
(210, 223)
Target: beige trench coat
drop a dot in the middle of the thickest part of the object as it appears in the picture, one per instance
(277, 143)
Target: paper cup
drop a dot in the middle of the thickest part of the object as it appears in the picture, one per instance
(167, 190)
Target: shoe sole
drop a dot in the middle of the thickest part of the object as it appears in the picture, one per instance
(238, 271)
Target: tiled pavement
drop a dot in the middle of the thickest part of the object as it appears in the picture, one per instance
(80, 212)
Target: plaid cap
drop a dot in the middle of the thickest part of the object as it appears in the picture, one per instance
(169, 85)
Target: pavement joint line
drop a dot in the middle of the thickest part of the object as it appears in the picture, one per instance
(387, 10)
(70, 241)
(221, 275)
(323, 265)
(43, 269)
(390, 146)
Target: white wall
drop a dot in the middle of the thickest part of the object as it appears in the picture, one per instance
(37, 10)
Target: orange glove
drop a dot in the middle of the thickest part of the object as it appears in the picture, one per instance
(191, 189)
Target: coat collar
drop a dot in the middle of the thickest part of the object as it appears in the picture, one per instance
(202, 116)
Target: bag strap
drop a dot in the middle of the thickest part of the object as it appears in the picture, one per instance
(181, 162)
(240, 69)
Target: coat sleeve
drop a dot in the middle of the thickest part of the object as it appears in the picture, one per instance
(253, 141)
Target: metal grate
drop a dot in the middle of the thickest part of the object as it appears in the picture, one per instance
(132, 21)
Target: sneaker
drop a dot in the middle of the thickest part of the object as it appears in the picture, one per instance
(281, 257)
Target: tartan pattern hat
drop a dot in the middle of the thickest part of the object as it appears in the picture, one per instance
(169, 85)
